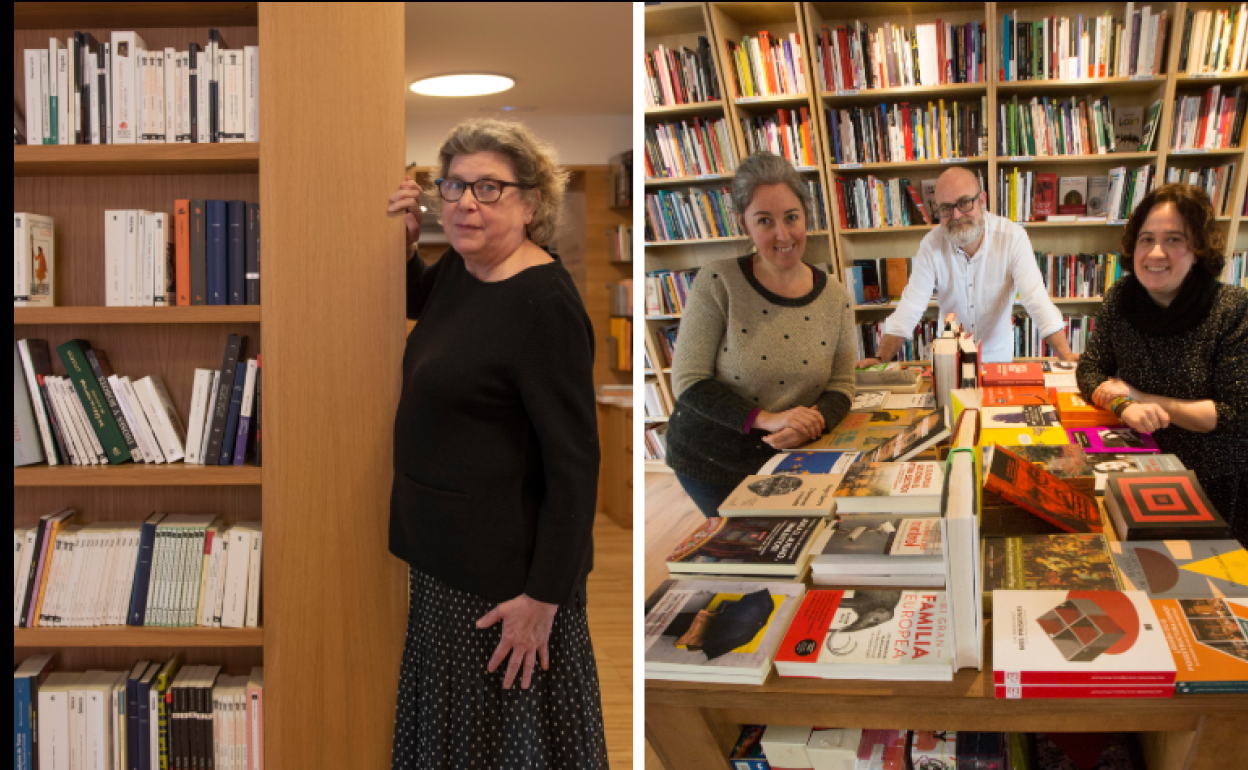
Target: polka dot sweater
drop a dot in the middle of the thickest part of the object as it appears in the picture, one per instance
(742, 347)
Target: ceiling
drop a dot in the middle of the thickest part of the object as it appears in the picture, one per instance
(566, 58)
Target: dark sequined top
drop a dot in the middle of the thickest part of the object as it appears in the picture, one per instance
(1209, 361)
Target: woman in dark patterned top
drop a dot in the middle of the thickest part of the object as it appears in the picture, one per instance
(1169, 351)
(765, 357)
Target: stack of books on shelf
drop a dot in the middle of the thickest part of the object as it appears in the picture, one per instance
(1236, 271)
(1213, 42)
(787, 133)
(852, 58)
(96, 417)
(1048, 127)
(901, 132)
(1063, 48)
(688, 215)
(684, 76)
(874, 202)
(667, 291)
(917, 348)
(155, 715)
(1209, 121)
(656, 402)
(34, 260)
(766, 65)
(689, 148)
(1079, 275)
(83, 91)
(171, 570)
(1216, 181)
(656, 443)
(620, 244)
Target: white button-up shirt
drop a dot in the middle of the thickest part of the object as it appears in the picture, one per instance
(979, 291)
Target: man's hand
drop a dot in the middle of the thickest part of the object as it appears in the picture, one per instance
(1145, 418)
(526, 631)
(407, 200)
(804, 419)
(864, 363)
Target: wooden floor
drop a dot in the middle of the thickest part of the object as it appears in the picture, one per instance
(670, 517)
(611, 630)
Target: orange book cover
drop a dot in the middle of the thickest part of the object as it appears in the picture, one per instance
(182, 251)
(1039, 492)
(1074, 411)
(1208, 643)
(897, 275)
(808, 148)
(767, 62)
(1014, 395)
(58, 523)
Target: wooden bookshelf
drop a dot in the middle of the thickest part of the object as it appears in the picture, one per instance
(334, 600)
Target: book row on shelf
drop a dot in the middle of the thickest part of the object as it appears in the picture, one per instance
(620, 243)
(1216, 181)
(157, 714)
(770, 747)
(1209, 121)
(685, 76)
(686, 148)
(1047, 127)
(869, 201)
(657, 404)
(34, 260)
(693, 214)
(620, 340)
(96, 417)
(170, 571)
(767, 65)
(1214, 41)
(787, 133)
(1043, 517)
(1027, 340)
(903, 132)
(1061, 48)
(1031, 196)
(83, 91)
(656, 443)
(854, 58)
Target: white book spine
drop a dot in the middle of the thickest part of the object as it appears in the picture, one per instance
(93, 130)
(106, 115)
(169, 80)
(234, 600)
(23, 572)
(37, 403)
(42, 260)
(53, 729)
(114, 265)
(182, 97)
(118, 708)
(125, 82)
(218, 76)
(86, 433)
(104, 586)
(160, 261)
(130, 258)
(22, 264)
(45, 92)
(160, 568)
(172, 433)
(58, 570)
(116, 568)
(98, 748)
(89, 608)
(125, 576)
(153, 733)
(235, 107)
(203, 76)
(251, 91)
(207, 427)
(75, 585)
(69, 436)
(199, 404)
(147, 275)
(203, 615)
(77, 728)
(219, 599)
(143, 95)
(64, 134)
(253, 581)
(152, 450)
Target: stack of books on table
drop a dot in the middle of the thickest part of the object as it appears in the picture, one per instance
(155, 715)
(171, 570)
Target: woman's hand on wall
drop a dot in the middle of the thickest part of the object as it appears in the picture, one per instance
(407, 200)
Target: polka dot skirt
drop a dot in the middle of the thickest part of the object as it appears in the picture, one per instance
(453, 714)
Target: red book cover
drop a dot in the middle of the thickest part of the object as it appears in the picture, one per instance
(182, 251)
(1162, 505)
(1040, 493)
(846, 68)
(1031, 373)
(808, 149)
(1045, 196)
(940, 50)
(914, 195)
(768, 64)
(1083, 691)
(840, 202)
(825, 44)
(1014, 395)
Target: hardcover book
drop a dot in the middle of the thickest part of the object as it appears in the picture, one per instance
(1168, 505)
(885, 487)
(1208, 640)
(1184, 569)
(717, 631)
(782, 495)
(747, 545)
(1072, 192)
(1081, 638)
(810, 462)
(877, 634)
(1048, 562)
(1045, 198)
(885, 418)
(1116, 439)
(1039, 492)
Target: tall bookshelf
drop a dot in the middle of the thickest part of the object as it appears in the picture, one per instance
(334, 602)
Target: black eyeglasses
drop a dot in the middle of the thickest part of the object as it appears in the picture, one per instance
(484, 190)
(964, 204)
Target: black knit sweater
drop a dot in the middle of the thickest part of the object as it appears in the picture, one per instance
(495, 438)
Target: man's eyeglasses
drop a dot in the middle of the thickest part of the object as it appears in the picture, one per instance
(484, 190)
(964, 204)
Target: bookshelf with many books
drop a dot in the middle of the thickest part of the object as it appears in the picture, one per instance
(287, 494)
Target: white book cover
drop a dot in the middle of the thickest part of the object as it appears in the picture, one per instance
(212, 584)
(145, 425)
(114, 258)
(123, 403)
(251, 91)
(92, 130)
(169, 80)
(253, 579)
(147, 250)
(182, 97)
(219, 599)
(171, 433)
(235, 125)
(78, 585)
(37, 403)
(782, 495)
(77, 725)
(160, 261)
(207, 428)
(203, 76)
(98, 573)
(22, 267)
(85, 431)
(237, 569)
(125, 102)
(199, 405)
(64, 428)
(133, 256)
(42, 276)
(53, 725)
(64, 133)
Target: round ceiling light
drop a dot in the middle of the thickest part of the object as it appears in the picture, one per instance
(462, 85)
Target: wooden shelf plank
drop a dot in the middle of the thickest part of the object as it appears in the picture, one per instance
(202, 314)
(698, 241)
(1201, 152)
(676, 180)
(684, 109)
(938, 92)
(1221, 77)
(781, 100)
(136, 159)
(131, 15)
(898, 164)
(1107, 158)
(140, 475)
(874, 230)
(1117, 84)
(138, 636)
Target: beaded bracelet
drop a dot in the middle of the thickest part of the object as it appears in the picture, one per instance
(1119, 404)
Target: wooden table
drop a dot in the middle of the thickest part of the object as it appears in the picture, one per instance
(693, 725)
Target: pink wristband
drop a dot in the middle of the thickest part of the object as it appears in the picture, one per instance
(749, 421)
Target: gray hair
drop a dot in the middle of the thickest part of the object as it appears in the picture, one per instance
(535, 163)
(764, 168)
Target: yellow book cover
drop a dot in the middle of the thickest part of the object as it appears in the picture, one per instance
(692, 639)
(163, 679)
(58, 522)
(1208, 642)
(1022, 436)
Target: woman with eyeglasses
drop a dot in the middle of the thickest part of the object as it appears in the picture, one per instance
(764, 360)
(496, 472)
(1169, 349)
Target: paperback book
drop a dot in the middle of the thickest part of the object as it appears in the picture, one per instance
(885, 487)
(866, 548)
(745, 545)
(925, 433)
(1039, 492)
(782, 495)
(1116, 439)
(810, 462)
(1184, 569)
(1208, 640)
(1048, 562)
